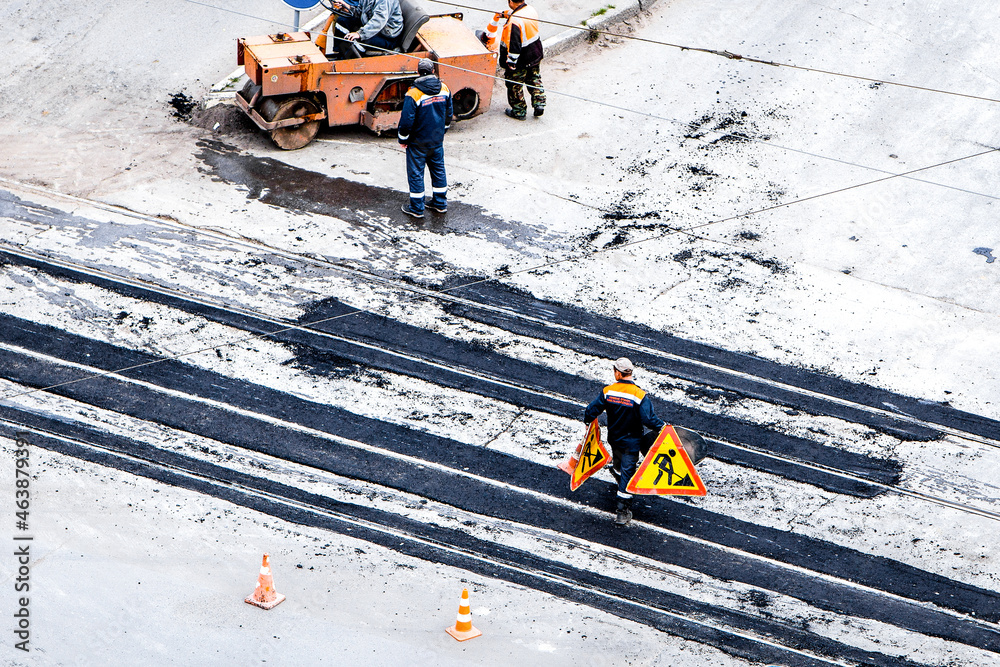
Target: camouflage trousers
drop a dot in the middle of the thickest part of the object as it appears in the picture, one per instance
(530, 77)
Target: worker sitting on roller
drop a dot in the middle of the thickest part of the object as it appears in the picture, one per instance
(376, 23)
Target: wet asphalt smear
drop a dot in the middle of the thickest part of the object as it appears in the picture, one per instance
(192, 414)
(627, 600)
(159, 243)
(278, 184)
(15, 208)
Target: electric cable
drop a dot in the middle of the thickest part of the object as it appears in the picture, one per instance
(733, 56)
(647, 114)
(505, 273)
(498, 275)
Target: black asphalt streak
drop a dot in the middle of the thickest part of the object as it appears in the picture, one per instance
(279, 184)
(494, 293)
(502, 562)
(510, 504)
(318, 352)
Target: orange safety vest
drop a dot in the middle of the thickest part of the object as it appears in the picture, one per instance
(526, 20)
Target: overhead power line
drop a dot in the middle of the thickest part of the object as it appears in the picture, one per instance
(616, 107)
(735, 56)
(507, 273)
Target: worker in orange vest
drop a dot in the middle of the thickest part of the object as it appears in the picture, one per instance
(630, 415)
(520, 56)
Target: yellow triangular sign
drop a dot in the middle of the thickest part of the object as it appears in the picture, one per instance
(667, 469)
(593, 456)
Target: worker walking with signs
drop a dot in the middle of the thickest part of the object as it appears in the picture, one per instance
(630, 411)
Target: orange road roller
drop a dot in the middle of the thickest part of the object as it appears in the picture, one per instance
(295, 86)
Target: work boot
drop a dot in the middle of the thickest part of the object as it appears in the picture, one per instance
(513, 114)
(410, 212)
(623, 514)
(539, 111)
(440, 208)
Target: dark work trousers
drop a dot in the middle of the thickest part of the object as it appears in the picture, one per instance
(625, 458)
(433, 157)
(516, 79)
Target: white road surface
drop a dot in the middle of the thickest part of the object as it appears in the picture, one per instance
(889, 283)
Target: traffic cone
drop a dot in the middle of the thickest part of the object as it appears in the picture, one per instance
(264, 596)
(569, 465)
(463, 624)
(489, 38)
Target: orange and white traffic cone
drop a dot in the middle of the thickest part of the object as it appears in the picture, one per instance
(463, 624)
(490, 36)
(264, 596)
(569, 465)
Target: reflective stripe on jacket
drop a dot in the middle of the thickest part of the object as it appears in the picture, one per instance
(520, 42)
(427, 111)
(629, 409)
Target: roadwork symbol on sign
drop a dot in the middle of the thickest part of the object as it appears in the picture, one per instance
(593, 456)
(667, 469)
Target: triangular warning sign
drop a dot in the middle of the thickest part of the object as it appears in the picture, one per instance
(667, 469)
(593, 456)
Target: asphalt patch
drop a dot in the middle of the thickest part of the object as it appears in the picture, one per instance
(183, 105)
(277, 183)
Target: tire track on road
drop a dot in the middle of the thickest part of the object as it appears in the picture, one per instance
(383, 343)
(736, 633)
(494, 484)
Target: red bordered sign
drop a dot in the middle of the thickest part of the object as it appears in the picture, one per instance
(667, 469)
(593, 456)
